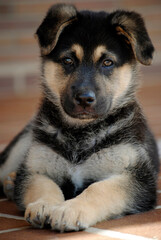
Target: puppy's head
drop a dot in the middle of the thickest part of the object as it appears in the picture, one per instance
(89, 60)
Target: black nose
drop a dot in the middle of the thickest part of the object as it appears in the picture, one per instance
(85, 98)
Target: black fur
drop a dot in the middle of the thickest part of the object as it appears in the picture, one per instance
(78, 134)
(145, 179)
(21, 184)
(69, 189)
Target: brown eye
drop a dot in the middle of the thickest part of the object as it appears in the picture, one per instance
(68, 61)
(107, 63)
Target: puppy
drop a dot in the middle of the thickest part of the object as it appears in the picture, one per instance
(88, 154)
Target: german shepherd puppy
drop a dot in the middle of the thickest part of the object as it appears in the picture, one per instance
(88, 154)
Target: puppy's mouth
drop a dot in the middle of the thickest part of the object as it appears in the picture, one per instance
(82, 113)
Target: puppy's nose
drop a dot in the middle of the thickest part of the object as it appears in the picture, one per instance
(85, 99)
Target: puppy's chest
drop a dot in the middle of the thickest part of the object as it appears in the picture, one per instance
(75, 145)
(75, 160)
(75, 149)
(95, 168)
(77, 177)
(74, 178)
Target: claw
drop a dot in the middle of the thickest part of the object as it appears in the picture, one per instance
(63, 227)
(80, 227)
(28, 220)
(78, 223)
(47, 222)
(38, 216)
(37, 220)
(55, 226)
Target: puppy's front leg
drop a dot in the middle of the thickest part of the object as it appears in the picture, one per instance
(101, 200)
(41, 195)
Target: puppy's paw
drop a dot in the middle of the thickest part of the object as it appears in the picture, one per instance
(8, 185)
(72, 216)
(37, 214)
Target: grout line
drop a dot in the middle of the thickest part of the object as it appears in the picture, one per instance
(116, 235)
(158, 207)
(3, 199)
(11, 216)
(13, 229)
(159, 146)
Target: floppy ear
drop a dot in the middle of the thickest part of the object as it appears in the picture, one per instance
(57, 18)
(132, 27)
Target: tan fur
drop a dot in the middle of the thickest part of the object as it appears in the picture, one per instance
(42, 194)
(76, 121)
(120, 31)
(117, 84)
(103, 164)
(43, 159)
(78, 51)
(8, 185)
(99, 51)
(122, 80)
(43, 188)
(99, 201)
(54, 77)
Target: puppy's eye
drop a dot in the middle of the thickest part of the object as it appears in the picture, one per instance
(107, 63)
(68, 61)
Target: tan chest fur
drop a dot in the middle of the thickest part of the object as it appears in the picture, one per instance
(98, 166)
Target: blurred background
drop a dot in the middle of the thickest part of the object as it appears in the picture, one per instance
(19, 58)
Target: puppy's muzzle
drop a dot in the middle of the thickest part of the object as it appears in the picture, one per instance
(84, 103)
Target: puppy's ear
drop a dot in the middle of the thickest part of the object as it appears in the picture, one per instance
(132, 27)
(57, 18)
